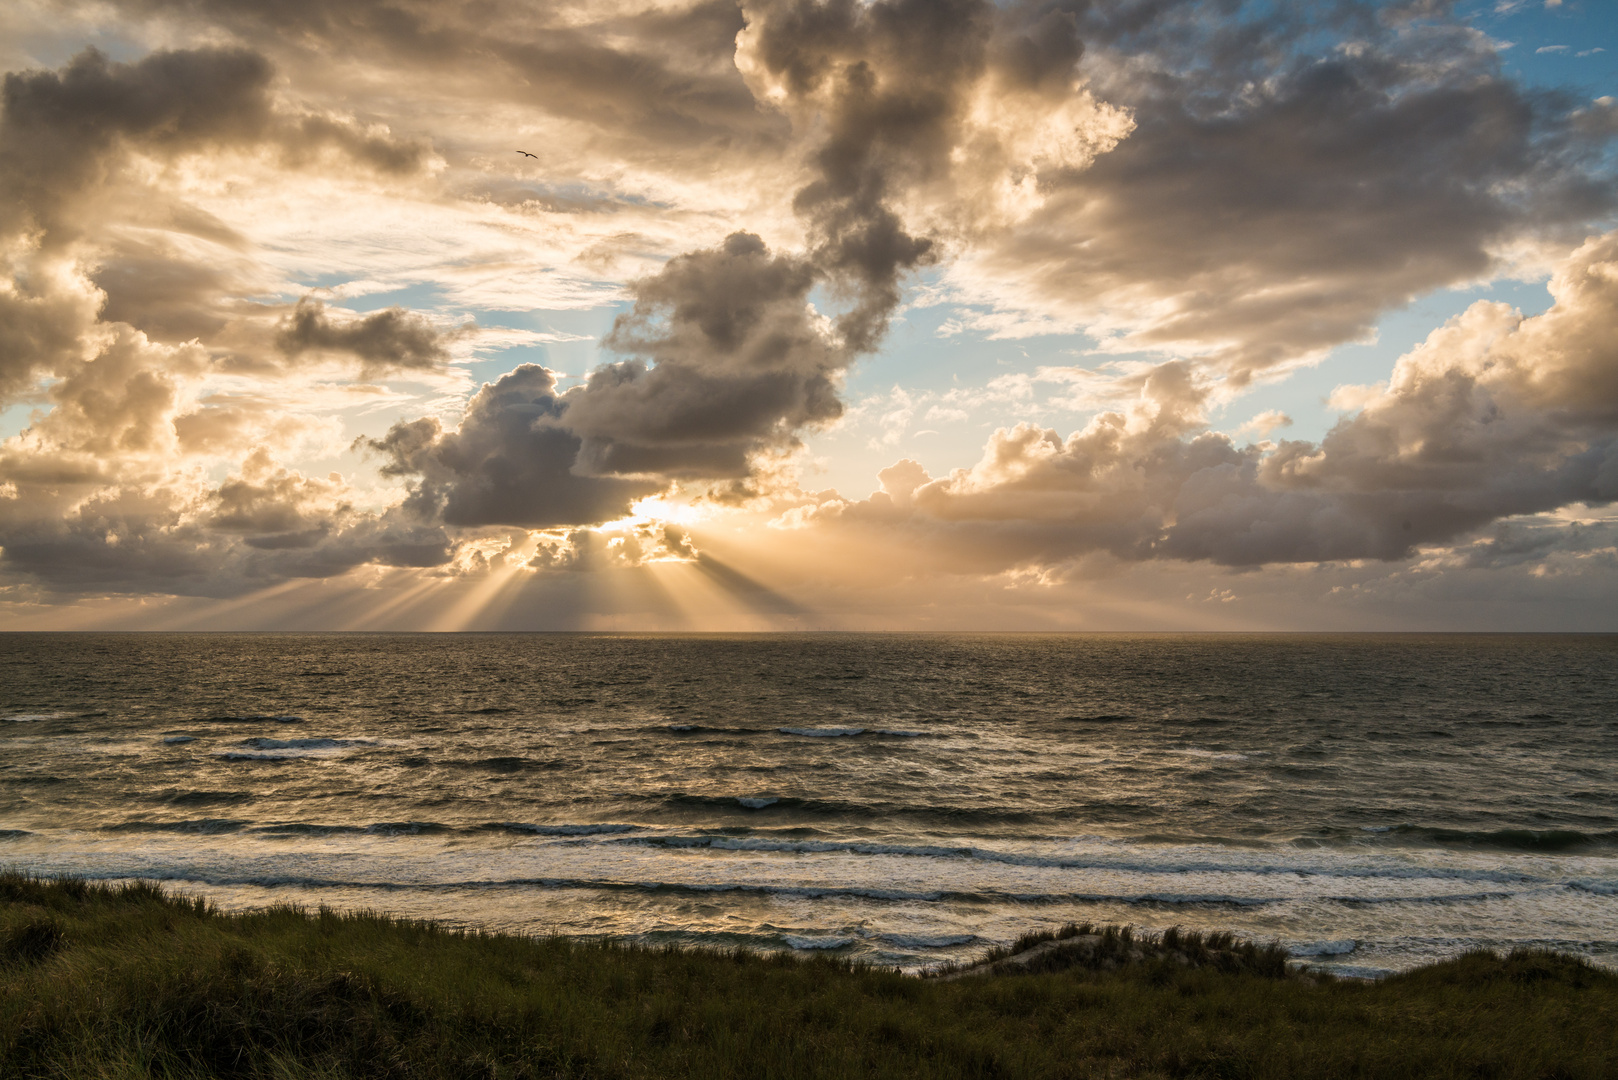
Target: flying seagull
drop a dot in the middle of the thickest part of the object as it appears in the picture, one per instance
(525, 153)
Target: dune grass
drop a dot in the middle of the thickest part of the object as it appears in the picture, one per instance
(129, 982)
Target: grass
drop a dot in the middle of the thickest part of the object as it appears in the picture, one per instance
(129, 982)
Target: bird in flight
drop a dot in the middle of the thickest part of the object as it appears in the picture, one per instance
(525, 153)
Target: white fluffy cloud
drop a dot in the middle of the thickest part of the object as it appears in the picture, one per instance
(1493, 416)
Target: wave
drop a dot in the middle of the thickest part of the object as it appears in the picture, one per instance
(36, 717)
(511, 764)
(288, 749)
(587, 829)
(1445, 898)
(14, 834)
(1058, 862)
(836, 808)
(208, 798)
(1340, 947)
(176, 740)
(816, 943)
(253, 719)
(703, 729)
(822, 732)
(1216, 755)
(222, 876)
(1533, 840)
(929, 941)
(306, 744)
(380, 828)
(204, 826)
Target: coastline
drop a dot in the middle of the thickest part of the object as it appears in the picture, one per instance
(132, 981)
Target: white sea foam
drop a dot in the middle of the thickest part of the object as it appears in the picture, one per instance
(306, 744)
(1130, 860)
(1214, 755)
(822, 732)
(35, 717)
(289, 749)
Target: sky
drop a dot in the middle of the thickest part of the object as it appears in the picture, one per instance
(809, 314)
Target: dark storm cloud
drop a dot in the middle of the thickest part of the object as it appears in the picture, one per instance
(891, 79)
(739, 365)
(511, 462)
(392, 339)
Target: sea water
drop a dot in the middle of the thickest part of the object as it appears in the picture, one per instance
(1371, 802)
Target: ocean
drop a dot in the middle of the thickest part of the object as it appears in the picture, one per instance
(1372, 802)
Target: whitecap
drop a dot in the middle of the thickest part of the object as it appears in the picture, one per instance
(759, 802)
(289, 749)
(1213, 755)
(35, 717)
(175, 740)
(305, 744)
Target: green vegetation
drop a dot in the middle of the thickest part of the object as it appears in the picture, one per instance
(129, 982)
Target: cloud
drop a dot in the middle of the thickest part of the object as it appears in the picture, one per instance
(1493, 416)
(1266, 422)
(1234, 193)
(1271, 200)
(69, 144)
(62, 130)
(728, 360)
(392, 339)
(510, 463)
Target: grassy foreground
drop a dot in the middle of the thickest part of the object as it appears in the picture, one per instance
(129, 982)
